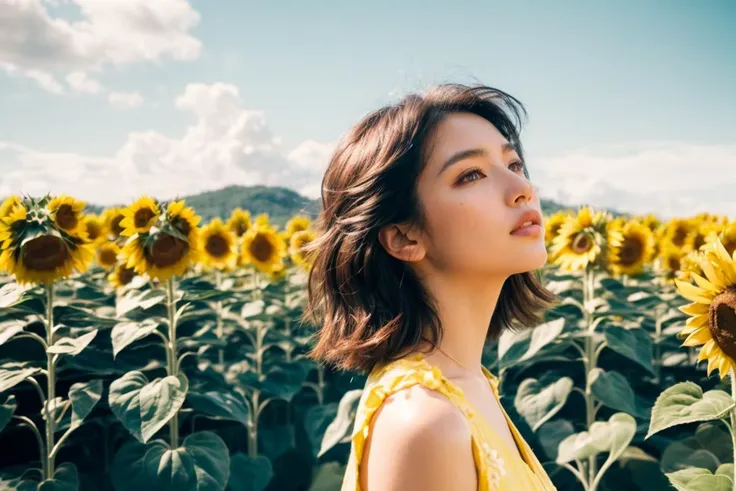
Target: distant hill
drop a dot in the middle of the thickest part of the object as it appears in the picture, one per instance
(280, 203)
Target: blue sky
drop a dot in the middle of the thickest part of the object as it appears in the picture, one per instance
(629, 102)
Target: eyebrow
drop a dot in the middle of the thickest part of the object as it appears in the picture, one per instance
(473, 152)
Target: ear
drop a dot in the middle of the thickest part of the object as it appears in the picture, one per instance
(402, 243)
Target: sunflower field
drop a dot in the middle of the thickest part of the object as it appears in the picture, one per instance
(143, 350)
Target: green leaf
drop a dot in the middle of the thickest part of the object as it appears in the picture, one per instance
(14, 373)
(708, 448)
(538, 403)
(227, 405)
(7, 409)
(84, 397)
(612, 436)
(634, 344)
(65, 479)
(125, 333)
(340, 430)
(328, 477)
(249, 473)
(686, 403)
(143, 407)
(541, 336)
(8, 329)
(200, 463)
(316, 420)
(143, 300)
(614, 391)
(71, 346)
(253, 309)
(697, 479)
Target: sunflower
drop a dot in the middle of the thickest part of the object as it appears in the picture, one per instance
(263, 248)
(631, 250)
(67, 214)
(112, 218)
(713, 312)
(651, 221)
(140, 216)
(8, 204)
(727, 236)
(169, 248)
(35, 247)
(553, 223)
(107, 254)
(121, 276)
(296, 246)
(239, 222)
(580, 239)
(297, 224)
(94, 228)
(218, 245)
(677, 232)
(277, 273)
(262, 220)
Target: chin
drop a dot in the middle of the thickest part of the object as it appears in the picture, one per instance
(533, 259)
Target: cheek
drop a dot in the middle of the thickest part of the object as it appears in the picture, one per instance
(468, 230)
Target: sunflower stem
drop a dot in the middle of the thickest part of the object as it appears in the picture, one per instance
(733, 420)
(588, 293)
(171, 348)
(48, 458)
(218, 313)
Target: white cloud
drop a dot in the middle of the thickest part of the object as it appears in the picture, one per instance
(42, 47)
(125, 100)
(225, 144)
(81, 82)
(667, 178)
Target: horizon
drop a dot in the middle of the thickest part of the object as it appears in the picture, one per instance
(629, 104)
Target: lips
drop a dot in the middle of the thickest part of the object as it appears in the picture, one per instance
(530, 217)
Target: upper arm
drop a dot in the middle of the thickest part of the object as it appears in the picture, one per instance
(418, 441)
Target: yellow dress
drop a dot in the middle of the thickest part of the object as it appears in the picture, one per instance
(498, 468)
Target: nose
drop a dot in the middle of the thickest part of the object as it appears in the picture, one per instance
(520, 191)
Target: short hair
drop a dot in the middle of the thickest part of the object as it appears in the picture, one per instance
(368, 306)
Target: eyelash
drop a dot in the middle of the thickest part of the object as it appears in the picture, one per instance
(475, 170)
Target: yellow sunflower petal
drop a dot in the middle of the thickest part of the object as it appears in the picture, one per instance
(694, 309)
(707, 350)
(693, 293)
(701, 336)
(703, 283)
(697, 321)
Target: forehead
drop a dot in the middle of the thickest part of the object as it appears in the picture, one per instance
(462, 131)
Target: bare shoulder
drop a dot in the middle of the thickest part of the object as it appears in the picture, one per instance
(418, 440)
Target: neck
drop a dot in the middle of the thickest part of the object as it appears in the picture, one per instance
(465, 309)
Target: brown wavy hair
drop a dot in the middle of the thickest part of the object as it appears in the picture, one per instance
(369, 307)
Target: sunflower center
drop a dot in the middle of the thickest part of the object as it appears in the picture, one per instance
(182, 226)
(142, 217)
(167, 250)
(217, 246)
(107, 257)
(722, 321)
(66, 217)
(93, 230)
(125, 275)
(115, 225)
(582, 242)
(631, 251)
(679, 236)
(698, 241)
(261, 248)
(45, 253)
(241, 227)
(673, 263)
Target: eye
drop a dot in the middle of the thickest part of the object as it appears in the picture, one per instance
(468, 176)
(517, 166)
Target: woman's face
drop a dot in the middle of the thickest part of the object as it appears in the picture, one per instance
(474, 193)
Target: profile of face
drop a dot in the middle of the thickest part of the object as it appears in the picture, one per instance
(475, 194)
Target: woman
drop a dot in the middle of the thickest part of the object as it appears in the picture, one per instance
(429, 235)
